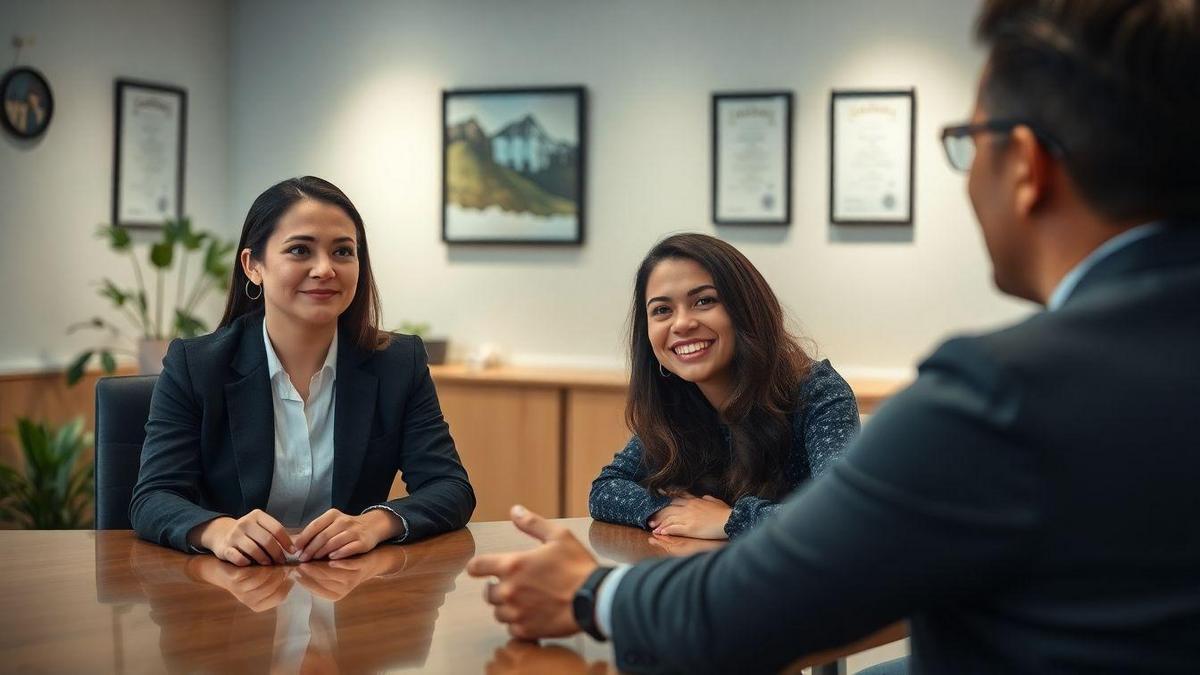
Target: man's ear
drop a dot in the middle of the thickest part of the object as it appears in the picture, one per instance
(1031, 169)
(250, 266)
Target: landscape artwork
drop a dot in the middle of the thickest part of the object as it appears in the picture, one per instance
(512, 162)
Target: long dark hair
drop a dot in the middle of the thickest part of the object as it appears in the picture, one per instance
(360, 321)
(678, 428)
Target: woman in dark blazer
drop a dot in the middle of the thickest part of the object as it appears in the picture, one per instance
(297, 412)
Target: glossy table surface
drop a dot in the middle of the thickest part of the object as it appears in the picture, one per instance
(83, 601)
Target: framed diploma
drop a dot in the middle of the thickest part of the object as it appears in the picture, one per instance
(871, 157)
(151, 128)
(752, 158)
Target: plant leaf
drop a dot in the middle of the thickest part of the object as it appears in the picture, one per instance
(216, 259)
(118, 237)
(161, 254)
(107, 362)
(187, 325)
(109, 290)
(190, 238)
(75, 370)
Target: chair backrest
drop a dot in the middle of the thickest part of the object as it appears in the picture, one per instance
(122, 408)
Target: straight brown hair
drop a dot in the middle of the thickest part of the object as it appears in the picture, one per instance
(360, 321)
(679, 430)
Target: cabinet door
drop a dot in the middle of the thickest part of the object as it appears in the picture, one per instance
(595, 432)
(508, 438)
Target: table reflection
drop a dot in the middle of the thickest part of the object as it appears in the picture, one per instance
(379, 610)
(530, 658)
(629, 544)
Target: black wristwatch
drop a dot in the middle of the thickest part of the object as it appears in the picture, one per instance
(583, 606)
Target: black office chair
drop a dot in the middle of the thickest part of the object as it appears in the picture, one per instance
(122, 408)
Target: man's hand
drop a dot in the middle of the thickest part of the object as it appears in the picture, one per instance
(255, 537)
(535, 588)
(334, 534)
(689, 516)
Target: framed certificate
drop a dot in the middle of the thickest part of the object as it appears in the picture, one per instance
(752, 158)
(151, 128)
(871, 157)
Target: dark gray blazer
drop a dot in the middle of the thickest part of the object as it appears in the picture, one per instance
(210, 439)
(1031, 503)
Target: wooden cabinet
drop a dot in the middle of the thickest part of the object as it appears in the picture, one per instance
(539, 436)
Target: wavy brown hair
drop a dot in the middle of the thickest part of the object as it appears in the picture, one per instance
(679, 430)
(360, 321)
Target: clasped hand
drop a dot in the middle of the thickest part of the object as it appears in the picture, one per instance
(691, 516)
(257, 537)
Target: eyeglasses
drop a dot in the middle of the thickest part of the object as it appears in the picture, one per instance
(959, 140)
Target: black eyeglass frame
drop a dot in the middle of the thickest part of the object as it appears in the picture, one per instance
(998, 127)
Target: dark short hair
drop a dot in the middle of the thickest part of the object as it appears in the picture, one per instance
(1116, 84)
(361, 318)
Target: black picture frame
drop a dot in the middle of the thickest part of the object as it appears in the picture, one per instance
(786, 181)
(120, 88)
(568, 164)
(30, 81)
(843, 94)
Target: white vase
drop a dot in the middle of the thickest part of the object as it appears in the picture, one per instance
(150, 356)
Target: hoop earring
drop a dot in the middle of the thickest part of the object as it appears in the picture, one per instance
(663, 372)
(253, 297)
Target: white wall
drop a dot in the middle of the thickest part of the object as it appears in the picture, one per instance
(55, 190)
(352, 93)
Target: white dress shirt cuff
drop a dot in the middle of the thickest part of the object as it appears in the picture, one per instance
(394, 540)
(604, 599)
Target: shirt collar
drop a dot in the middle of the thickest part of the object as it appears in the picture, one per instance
(275, 366)
(1068, 283)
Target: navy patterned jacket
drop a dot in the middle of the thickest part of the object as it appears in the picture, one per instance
(821, 429)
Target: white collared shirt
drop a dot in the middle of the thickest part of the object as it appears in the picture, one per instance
(302, 482)
(1068, 283)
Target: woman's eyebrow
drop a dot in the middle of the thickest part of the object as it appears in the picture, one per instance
(694, 291)
(309, 237)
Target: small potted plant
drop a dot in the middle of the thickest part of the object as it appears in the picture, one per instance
(55, 490)
(435, 348)
(155, 322)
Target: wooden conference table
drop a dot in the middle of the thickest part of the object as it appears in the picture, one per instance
(84, 601)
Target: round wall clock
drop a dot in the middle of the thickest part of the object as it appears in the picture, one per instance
(28, 103)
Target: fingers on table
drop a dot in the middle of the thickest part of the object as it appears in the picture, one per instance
(354, 547)
(266, 542)
(276, 529)
(318, 525)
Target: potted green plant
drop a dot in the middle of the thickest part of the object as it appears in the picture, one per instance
(155, 322)
(435, 348)
(55, 490)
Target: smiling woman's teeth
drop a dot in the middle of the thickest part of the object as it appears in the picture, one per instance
(691, 348)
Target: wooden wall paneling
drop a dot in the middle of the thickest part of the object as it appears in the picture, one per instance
(595, 432)
(509, 439)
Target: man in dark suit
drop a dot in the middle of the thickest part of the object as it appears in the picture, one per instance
(1031, 502)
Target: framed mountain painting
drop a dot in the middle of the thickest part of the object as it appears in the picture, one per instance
(513, 165)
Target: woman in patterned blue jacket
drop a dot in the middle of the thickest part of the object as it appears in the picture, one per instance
(729, 413)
